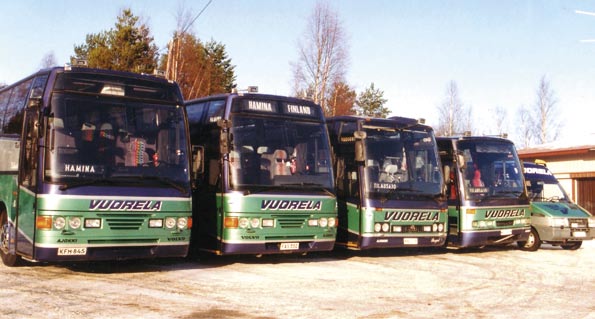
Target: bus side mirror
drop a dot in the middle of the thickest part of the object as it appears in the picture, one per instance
(198, 166)
(462, 162)
(225, 136)
(359, 145)
(447, 179)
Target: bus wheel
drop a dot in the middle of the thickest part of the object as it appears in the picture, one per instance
(8, 259)
(533, 242)
(572, 245)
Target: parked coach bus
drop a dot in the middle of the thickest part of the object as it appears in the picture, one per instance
(487, 201)
(266, 185)
(389, 183)
(93, 166)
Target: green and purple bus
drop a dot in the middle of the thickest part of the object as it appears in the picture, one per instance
(266, 185)
(390, 189)
(485, 189)
(93, 166)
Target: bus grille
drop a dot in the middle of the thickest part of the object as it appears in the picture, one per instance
(124, 222)
(291, 221)
(501, 223)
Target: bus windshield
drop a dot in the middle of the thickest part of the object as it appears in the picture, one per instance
(276, 152)
(490, 170)
(110, 139)
(402, 164)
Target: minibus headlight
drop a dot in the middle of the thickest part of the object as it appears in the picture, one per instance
(591, 222)
(560, 222)
(59, 223)
(74, 222)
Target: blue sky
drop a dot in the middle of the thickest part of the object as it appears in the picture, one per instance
(496, 51)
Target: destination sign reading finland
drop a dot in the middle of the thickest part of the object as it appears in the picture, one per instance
(289, 108)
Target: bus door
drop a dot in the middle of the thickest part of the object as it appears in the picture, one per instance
(451, 176)
(27, 194)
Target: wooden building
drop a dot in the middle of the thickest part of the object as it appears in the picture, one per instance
(573, 164)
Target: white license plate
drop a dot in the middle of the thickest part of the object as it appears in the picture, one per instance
(579, 234)
(410, 241)
(505, 232)
(289, 246)
(73, 251)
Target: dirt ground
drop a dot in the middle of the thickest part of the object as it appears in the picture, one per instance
(494, 282)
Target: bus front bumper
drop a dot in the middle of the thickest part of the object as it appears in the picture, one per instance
(491, 237)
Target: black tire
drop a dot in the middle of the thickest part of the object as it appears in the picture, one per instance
(533, 242)
(8, 259)
(574, 245)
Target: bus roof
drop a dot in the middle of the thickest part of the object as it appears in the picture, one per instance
(473, 138)
(255, 96)
(396, 122)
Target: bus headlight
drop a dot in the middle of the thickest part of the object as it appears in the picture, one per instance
(377, 227)
(312, 222)
(182, 223)
(74, 222)
(59, 223)
(94, 223)
(268, 223)
(170, 222)
(440, 227)
(591, 222)
(244, 222)
(434, 227)
(323, 222)
(155, 223)
(332, 222)
(385, 227)
(255, 222)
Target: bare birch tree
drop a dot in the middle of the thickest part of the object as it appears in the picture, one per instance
(453, 117)
(548, 125)
(322, 56)
(48, 60)
(525, 128)
(499, 122)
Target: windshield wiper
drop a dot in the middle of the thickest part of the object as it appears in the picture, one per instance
(315, 186)
(160, 179)
(85, 183)
(516, 193)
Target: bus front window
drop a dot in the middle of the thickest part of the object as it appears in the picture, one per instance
(490, 170)
(401, 164)
(278, 153)
(113, 140)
